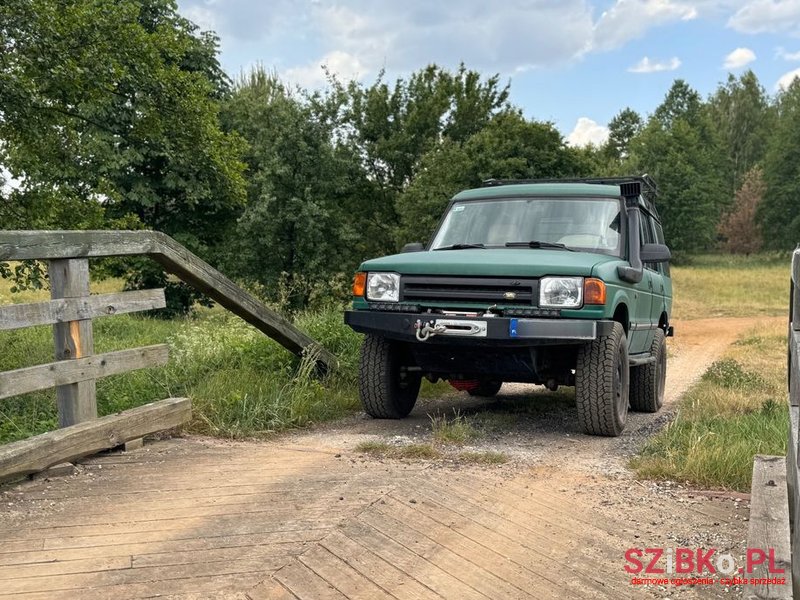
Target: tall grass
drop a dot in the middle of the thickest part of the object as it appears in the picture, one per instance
(737, 410)
(241, 382)
(723, 285)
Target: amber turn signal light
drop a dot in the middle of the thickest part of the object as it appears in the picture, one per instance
(359, 284)
(594, 291)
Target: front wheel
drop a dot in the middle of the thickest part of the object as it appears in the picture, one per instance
(387, 389)
(601, 384)
(647, 381)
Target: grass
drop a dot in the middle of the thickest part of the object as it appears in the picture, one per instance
(423, 451)
(380, 449)
(453, 430)
(731, 286)
(737, 410)
(242, 384)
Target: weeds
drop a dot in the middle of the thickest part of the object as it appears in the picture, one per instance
(453, 430)
(381, 449)
(731, 286)
(409, 451)
(736, 411)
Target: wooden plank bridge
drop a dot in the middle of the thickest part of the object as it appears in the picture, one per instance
(201, 518)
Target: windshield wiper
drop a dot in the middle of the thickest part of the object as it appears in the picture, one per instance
(461, 247)
(538, 244)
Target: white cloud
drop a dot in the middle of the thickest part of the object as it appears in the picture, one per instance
(739, 58)
(344, 65)
(509, 37)
(242, 20)
(363, 36)
(588, 132)
(629, 19)
(202, 16)
(786, 80)
(653, 66)
(767, 16)
(790, 56)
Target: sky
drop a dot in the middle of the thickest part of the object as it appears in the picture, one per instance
(575, 63)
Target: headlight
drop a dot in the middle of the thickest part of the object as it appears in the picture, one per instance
(560, 292)
(383, 286)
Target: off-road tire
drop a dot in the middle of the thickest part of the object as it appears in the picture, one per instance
(487, 389)
(647, 381)
(386, 392)
(601, 384)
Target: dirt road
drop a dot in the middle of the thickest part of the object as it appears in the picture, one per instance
(307, 516)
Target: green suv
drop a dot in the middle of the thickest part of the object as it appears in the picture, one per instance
(547, 282)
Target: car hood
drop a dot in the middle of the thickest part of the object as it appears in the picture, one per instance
(501, 262)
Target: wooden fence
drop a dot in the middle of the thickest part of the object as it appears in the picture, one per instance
(775, 498)
(76, 368)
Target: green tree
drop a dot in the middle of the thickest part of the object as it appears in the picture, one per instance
(508, 147)
(779, 213)
(115, 103)
(295, 232)
(681, 150)
(625, 126)
(742, 114)
(391, 127)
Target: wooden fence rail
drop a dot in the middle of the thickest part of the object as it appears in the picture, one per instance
(76, 368)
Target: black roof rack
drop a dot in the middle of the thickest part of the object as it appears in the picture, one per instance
(649, 189)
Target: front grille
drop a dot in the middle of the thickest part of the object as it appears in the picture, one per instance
(471, 290)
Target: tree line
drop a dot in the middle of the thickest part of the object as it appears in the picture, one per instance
(119, 115)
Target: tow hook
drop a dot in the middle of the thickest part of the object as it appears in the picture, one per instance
(424, 331)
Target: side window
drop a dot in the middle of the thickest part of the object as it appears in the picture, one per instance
(648, 237)
(663, 268)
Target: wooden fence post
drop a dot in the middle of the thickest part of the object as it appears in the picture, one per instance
(77, 402)
(795, 299)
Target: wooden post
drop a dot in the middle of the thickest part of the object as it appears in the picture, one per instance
(795, 298)
(77, 402)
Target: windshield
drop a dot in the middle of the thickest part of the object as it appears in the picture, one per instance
(589, 224)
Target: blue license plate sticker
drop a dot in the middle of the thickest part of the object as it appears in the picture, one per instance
(512, 327)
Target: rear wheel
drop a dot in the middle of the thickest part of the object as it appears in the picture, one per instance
(601, 384)
(486, 388)
(387, 389)
(647, 381)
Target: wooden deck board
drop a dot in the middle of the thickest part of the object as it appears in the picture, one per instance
(257, 521)
(375, 569)
(342, 576)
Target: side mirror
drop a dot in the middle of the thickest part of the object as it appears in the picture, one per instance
(654, 253)
(413, 247)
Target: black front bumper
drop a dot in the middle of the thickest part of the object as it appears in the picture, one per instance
(498, 331)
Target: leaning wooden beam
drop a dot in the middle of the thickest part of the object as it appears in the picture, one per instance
(17, 316)
(769, 529)
(69, 443)
(21, 245)
(42, 377)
